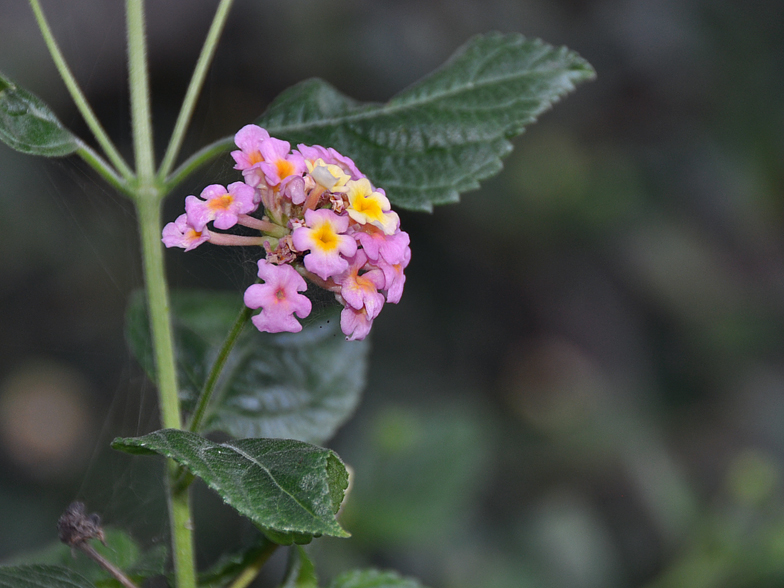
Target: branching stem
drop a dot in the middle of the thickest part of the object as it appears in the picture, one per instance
(78, 97)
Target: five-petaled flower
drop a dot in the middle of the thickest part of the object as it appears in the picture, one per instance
(279, 298)
(324, 237)
(220, 205)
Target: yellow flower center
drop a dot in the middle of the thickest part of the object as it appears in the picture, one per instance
(221, 203)
(325, 237)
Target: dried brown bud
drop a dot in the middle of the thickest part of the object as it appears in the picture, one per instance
(75, 527)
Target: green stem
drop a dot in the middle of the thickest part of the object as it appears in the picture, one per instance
(78, 97)
(148, 209)
(197, 80)
(141, 119)
(181, 530)
(217, 368)
(158, 302)
(249, 573)
(198, 159)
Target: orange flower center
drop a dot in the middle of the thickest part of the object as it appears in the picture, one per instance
(221, 203)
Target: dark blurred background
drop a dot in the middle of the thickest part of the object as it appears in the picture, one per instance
(582, 386)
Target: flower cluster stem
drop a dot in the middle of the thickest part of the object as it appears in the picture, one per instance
(217, 369)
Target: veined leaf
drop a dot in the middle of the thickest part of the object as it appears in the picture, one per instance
(373, 579)
(41, 576)
(289, 488)
(28, 125)
(290, 385)
(444, 134)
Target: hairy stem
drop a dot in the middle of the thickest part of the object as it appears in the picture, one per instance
(148, 207)
(141, 119)
(191, 95)
(78, 97)
(148, 197)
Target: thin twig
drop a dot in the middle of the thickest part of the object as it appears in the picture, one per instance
(90, 552)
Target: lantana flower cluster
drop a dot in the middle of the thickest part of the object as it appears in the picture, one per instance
(318, 218)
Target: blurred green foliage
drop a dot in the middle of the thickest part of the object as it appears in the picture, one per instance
(582, 386)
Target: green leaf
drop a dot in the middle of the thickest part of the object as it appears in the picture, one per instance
(120, 549)
(28, 125)
(444, 134)
(301, 572)
(41, 576)
(288, 488)
(291, 385)
(373, 579)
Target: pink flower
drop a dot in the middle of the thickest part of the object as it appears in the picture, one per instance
(278, 163)
(220, 205)
(278, 299)
(295, 190)
(376, 243)
(330, 157)
(362, 290)
(346, 163)
(181, 234)
(394, 278)
(248, 159)
(323, 237)
(355, 324)
(313, 152)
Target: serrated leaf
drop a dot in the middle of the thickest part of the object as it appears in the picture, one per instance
(443, 135)
(301, 572)
(120, 549)
(291, 385)
(286, 487)
(28, 125)
(41, 576)
(373, 579)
